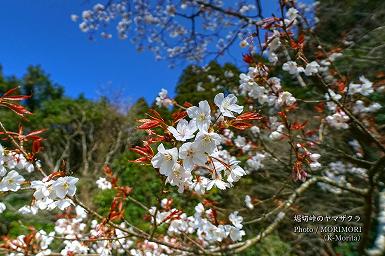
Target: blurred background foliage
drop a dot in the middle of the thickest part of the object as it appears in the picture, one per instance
(84, 135)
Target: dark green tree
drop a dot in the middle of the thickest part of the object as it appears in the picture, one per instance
(41, 88)
(199, 83)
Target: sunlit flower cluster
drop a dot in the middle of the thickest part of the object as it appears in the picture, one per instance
(267, 90)
(50, 194)
(199, 152)
(201, 223)
(11, 164)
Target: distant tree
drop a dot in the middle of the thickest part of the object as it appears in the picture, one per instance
(7, 83)
(87, 134)
(198, 83)
(41, 88)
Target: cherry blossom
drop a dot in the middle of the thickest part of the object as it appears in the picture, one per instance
(312, 68)
(65, 186)
(217, 182)
(207, 141)
(360, 108)
(286, 98)
(292, 14)
(338, 120)
(255, 162)
(235, 172)
(103, 184)
(227, 104)
(248, 202)
(28, 210)
(165, 159)
(292, 68)
(364, 88)
(184, 130)
(192, 155)
(162, 100)
(201, 115)
(179, 177)
(12, 181)
(2, 207)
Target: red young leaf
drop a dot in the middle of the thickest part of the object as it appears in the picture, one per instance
(179, 115)
(241, 125)
(148, 124)
(34, 133)
(16, 97)
(293, 44)
(155, 114)
(36, 146)
(341, 86)
(320, 107)
(54, 175)
(298, 126)
(187, 104)
(249, 116)
(18, 109)
(9, 92)
(248, 58)
(146, 152)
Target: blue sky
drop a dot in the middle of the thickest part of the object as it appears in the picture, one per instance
(41, 32)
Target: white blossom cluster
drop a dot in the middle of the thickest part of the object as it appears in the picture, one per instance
(339, 119)
(339, 171)
(163, 100)
(200, 223)
(42, 239)
(311, 68)
(152, 248)
(325, 65)
(277, 129)
(76, 228)
(242, 143)
(48, 194)
(360, 108)
(312, 158)
(273, 42)
(270, 93)
(365, 88)
(11, 164)
(79, 236)
(199, 151)
(255, 162)
(103, 183)
(157, 25)
(329, 96)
